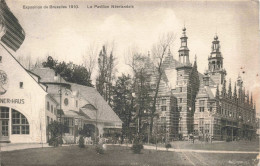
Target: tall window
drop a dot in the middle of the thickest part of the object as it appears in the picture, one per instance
(20, 123)
(48, 106)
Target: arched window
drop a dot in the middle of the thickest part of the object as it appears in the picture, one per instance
(20, 123)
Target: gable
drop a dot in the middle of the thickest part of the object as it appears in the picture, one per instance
(18, 81)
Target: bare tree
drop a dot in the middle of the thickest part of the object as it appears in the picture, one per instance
(158, 54)
(90, 58)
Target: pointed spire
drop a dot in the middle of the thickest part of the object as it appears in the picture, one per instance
(223, 91)
(243, 95)
(251, 100)
(247, 97)
(229, 89)
(235, 91)
(217, 92)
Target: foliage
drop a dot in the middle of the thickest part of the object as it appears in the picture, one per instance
(69, 71)
(81, 142)
(55, 129)
(100, 150)
(137, 147)
(167, 146)
(54, 141)
(228, 139)
(106, 75)
(88, 130)
(122, 102)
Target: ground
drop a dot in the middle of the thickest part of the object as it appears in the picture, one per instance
(231, 146)
(116, 155)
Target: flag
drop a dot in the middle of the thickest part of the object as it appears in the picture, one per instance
(11, 32)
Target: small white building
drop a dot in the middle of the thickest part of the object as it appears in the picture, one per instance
(81, 105)
(24, 102)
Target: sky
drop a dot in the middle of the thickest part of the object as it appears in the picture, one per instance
(66, 34)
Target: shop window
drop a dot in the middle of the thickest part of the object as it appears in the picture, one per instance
(20, 123)
(21, 85)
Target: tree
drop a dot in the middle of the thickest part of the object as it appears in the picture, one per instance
(106, 66)
(90, 58)
(122, 102)
(159, 52)
(69, 71)
(141, 89)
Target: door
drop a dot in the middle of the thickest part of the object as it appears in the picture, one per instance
(4, 130)
(4, 124)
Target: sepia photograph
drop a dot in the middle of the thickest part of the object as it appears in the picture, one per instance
(129, 83)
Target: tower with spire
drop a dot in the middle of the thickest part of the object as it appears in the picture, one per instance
(187, 79)
(215, 63)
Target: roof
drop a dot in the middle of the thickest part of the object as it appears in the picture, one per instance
(105, 112)
(47, 75)
(206, 91)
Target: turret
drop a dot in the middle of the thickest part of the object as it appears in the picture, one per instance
(215, 63)
(184, 50)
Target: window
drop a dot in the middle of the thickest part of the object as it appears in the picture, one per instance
(0, 59)
(55, 111)
(180, 100)
(66, 101)
(76, 103)
(51, 108)
(21, 85)
(163, 119)
(48, 106)
(20, 123)
(4, 113)
(180, 109)
(180, 89)
(163, 108)
(201, 109)
(164, 101)
(48, 120)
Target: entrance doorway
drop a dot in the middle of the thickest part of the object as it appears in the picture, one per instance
(4, 124)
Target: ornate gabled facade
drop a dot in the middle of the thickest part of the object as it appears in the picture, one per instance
(222, 114)
(203, 104)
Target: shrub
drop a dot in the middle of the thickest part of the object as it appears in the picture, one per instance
(54, 141)
(100, 150)
(228, 139)
(137, 147)
(81, 142)
(167, 146)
